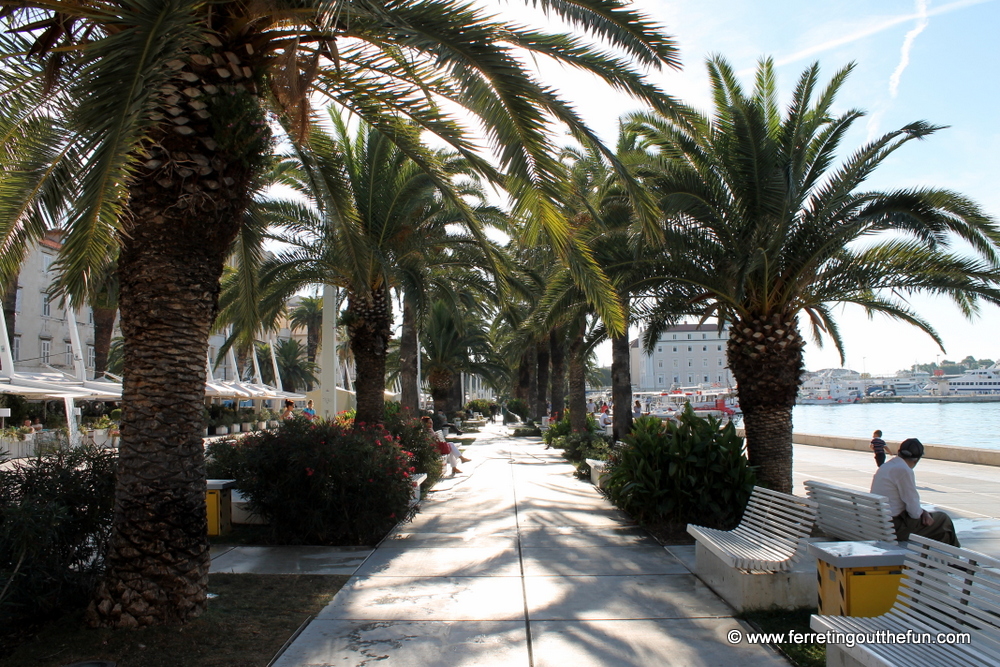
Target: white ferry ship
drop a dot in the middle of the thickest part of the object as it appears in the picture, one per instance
(977, 381)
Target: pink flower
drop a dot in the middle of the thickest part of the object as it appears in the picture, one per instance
(309, 472)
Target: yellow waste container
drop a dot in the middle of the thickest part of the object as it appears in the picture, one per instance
(857, 578)
(219, 502)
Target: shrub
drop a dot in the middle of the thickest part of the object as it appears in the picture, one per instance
(562, 427)
(519, 407)
(416, 439)
(323, 483)
(55, 523)
(480, 405)
(687, 472)
(531, 432)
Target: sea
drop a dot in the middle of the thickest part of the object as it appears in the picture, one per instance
(958, 424)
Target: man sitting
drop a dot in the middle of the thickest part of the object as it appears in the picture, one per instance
(895, 480)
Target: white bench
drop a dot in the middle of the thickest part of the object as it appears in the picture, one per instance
(754, 566)
(846, 514)
(415, 482)
(769, 534)
(944, 590)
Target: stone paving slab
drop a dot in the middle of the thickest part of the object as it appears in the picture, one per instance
(621, 597)
(598, 561)
(645, 643)
(412, 561)
(428, 599)
(409, 644)
(570, 537)
(290, 560)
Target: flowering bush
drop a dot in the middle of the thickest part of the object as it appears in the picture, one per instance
(325, 483)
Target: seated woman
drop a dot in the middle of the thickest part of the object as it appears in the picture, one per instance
(447, 449)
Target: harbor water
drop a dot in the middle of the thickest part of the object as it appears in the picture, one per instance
(957, 424)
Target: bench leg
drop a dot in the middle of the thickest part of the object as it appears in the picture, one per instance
(836, 657)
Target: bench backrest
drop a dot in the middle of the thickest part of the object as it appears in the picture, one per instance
(948, 589)
(847, 514)
(780, 516)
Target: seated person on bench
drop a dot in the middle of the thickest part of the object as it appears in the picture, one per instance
(446, 448)
(895, 480)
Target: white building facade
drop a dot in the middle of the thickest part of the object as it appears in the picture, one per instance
(41, 329)
(686, 355)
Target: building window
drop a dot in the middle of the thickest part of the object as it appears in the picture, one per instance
(689, 363)
(675, 337)
(46, 262)
(690, 379)
(689, 348)
(676, 379)
(15, 348)
(720, 348)
(46, 348)
(46, 306)
(659, 380)
(675, 363)
(659, 348)
(706, 379)
(91, 356)
(69, 354)
(675, 349)
(704, 348)
(90, 316)
(689, 336)
(704, 362)
(661, 363)
(17, 300)
(720, 362)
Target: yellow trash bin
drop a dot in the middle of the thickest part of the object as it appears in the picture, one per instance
(857, 578)
(219, 502)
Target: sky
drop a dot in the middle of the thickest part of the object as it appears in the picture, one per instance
(915, 60)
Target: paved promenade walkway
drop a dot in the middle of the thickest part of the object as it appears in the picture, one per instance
(518, 563)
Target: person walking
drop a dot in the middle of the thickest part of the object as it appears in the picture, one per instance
(879, 447)
(309, 412)
(637, 410)
(895, 480)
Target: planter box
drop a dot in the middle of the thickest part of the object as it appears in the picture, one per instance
(261, 425)
(100, 436)
(235, 428)
(273, 423)
(221, 430)
(246, 427)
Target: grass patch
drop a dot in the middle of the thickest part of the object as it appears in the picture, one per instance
(249, 621)
(803, 655)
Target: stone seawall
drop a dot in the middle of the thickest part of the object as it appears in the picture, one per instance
(988, 457)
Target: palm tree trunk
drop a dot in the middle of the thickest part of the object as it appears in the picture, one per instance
(409, 383)
(104, 329)
(170, 265)
(765, 355)
(523, 378)
(532, 373)
(10, 308)
(369, 328)
(440, 384)
(542, 355)
(621, 387)
(557, 355)
(455, 395)
(577, 383)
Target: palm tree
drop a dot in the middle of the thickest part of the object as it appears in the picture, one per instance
(760, 231)
(293, 364)
(308, 315)
(377, 218)
(455, 342)
(164, 108)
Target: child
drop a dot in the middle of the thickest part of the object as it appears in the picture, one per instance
(879, 447)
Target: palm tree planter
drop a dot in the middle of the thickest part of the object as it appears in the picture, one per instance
(759, 232)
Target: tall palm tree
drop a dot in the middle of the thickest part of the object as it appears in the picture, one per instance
(762, 230)
(167, 132)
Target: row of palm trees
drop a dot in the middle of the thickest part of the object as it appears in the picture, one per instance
(146, 130)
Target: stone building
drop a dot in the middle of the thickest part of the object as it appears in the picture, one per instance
(686, 355)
